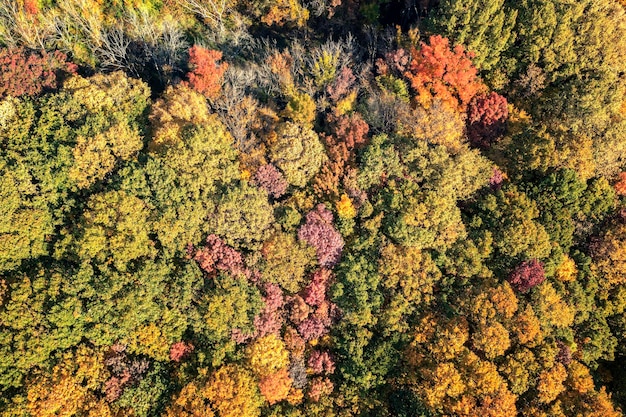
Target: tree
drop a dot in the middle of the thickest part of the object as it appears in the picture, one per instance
(114, 228)
(233, 392)
(179, 108)
(275, 387)
(267, 355)
(486, 29)
(527, 275)
(318, 231)
(206, 74)
(487, 115)
(439, 71)
(271, 180)
(24, 73)
(243, 216)
(297, 152)
(509, 217)
(287, 260)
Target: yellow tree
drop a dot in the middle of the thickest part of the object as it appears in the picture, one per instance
(233, 392)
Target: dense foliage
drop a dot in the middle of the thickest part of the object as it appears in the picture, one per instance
(312, 208)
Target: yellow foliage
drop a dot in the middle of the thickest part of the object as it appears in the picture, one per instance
(346, 104)
(520, 369)
(610, 257)
(295, 396)
(267, 355)
(68, 391)
(450, 338)
(325, 67)
(233, 392)
(179, 108)
(482, 376)
(7, 111)
(287, 260)
(190, 402)
(551, 383)
(518, 120)
(504, 300)
(552, 308)
(437, 124)
(286, 11)
(567, 271)
(579, 378)
(300, 108)
(441, 382)
(113, 94)
(345, 208)
(492, 339)
(95, 157)
(148, 340)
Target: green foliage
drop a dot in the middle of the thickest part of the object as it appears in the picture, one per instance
(485, 28)
(243, 216)
(509, 219)
(155, 256)
(298, 152)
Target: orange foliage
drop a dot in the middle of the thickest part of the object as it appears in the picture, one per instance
(620, 186)
(551, 383)
(439, 71)
(275, 387)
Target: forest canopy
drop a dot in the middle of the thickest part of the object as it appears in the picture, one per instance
(307, 208)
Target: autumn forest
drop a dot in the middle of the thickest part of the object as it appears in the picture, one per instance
(312, 208)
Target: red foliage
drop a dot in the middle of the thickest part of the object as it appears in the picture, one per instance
(179, 350)
(352, 130)
(315, 293)
(218, 256)
(487, 115)
(496, 180)
(620, 186)
(271, 318)
(318, 231)
(269, 178)
(124, 371)
(206, 73)
(565, 353)
(342, 85)
(439, 71)
(321, 363)
(25, 73)
(396, 61)
(527, 275)
(313, 328)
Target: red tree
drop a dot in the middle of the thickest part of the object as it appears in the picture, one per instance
(218, 256)
(206, 73)
(319, 232)
(25, 73)
(315, 293)
(269, 178)
(486, 118)
(527, 275)
(321, 362)
(179, 350)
